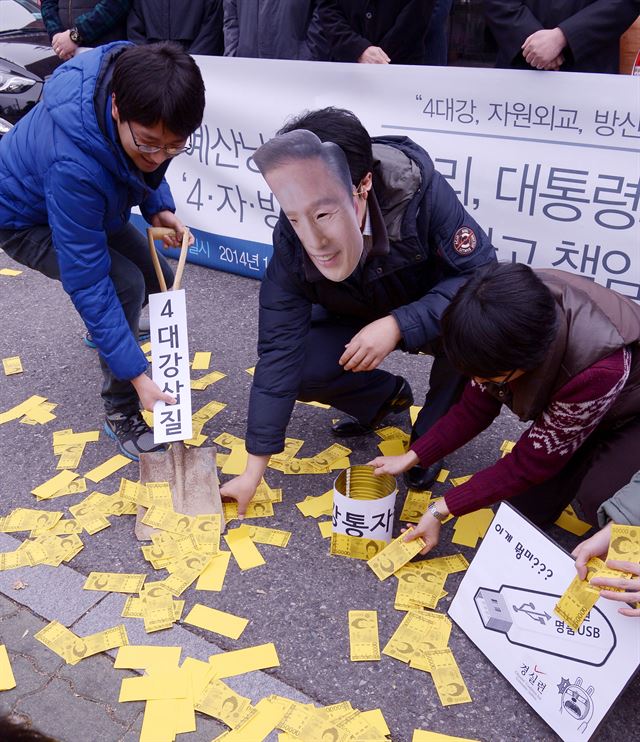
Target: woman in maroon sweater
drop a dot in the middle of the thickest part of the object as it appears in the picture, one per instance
(560, 351)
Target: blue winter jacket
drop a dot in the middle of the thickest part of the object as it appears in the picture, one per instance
(428, 245)
(62, 164)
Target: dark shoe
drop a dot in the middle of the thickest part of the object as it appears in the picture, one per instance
(132, 434)
(400, 400)
(419, 478)
(143, 336)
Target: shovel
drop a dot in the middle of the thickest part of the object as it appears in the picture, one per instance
(190, 472)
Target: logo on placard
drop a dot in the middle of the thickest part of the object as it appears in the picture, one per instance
(464, 241)
(576, 701)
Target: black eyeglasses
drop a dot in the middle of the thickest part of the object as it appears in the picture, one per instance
(501, 387)
(150, 149)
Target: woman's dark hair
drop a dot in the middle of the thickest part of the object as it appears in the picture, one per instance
(501, 320)
(344, 129)
(159, 83)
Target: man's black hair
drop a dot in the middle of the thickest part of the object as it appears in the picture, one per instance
(159, 83)
(344, 129)
(501, 320)
(303, 145)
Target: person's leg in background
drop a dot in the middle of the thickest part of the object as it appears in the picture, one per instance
(598, 469)
(437, 39)
(445, 389)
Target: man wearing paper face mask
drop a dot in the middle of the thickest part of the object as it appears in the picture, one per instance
(370, 247)
(314, 190)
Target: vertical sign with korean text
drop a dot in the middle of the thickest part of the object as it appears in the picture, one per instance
(505, 606)
(170, 365)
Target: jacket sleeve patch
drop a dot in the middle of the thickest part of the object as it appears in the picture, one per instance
(464, 241)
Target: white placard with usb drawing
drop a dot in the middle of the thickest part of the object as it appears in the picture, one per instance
(505, 606)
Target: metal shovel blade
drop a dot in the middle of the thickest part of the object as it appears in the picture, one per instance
(192, 476)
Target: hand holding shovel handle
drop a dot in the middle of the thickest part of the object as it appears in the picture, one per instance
(156, 233)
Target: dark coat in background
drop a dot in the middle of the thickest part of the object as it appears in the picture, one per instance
(97, 22)
(592, 28)
(195, 25)
(398, 27)
(273, 29)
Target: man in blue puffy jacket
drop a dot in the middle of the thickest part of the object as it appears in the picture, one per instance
(99, 143)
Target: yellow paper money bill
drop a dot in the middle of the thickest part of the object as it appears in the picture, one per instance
(70, 456)
(314, 507)
(168, 520)
(156, 493)
(579, 598)
(206, 531)
(40, 414)
(354, 547)
(114, 582)
(223, 703)
(624, 545)
(423, 586)
(156, 607)
(27, 519)
(419, 632)
(12, 365)
(392, 433)
(13, 560)
(269, 536)
(363, 636)
(446, 676)
(254, 510)
(87, 514)
(450, 564)
(58, 639)
(75, 487)
(13, 413)
(415, 505)
(331, 454)
(55, 484)
(205, 381)
(394, 556)
(291, 448)
(87, 646)
(188, 572)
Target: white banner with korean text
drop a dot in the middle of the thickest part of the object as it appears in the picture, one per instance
(548, 163)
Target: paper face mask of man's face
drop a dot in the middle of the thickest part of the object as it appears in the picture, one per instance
(321, 209)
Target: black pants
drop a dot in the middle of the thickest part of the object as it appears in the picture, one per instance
(599, 468)
(362, 394)
(132, 274)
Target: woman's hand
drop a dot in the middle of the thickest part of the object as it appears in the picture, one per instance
(393, 464)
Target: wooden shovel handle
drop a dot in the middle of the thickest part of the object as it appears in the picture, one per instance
(156, 233)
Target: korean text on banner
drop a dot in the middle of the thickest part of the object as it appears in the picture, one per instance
(548, 164)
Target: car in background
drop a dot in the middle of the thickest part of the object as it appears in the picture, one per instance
(26, 59)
